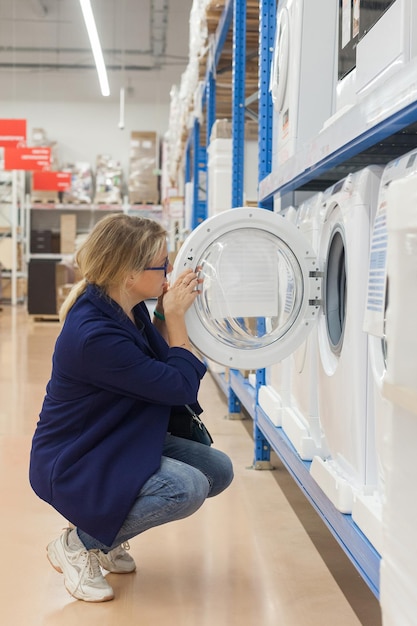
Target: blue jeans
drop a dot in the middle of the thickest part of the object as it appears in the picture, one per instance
(190, 472)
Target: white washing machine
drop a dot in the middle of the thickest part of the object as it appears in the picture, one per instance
(400, 383)
(398, 567)
(367, 506)
(302, 73)
(274, 397)
(300, 420)
(348, 207)
(376, 39)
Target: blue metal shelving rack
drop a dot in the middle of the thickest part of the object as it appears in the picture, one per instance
(238, 100)
(196, 171)
(354, 543)
(382, 140)
(267, 19)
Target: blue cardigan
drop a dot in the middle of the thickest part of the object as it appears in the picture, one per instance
(104, 417)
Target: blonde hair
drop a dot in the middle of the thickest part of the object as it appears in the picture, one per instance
(117, 245)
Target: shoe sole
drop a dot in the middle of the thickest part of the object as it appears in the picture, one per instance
(53, 561)
(91, 600)
(118, 571)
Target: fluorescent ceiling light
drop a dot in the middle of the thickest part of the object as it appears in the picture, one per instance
(95, 46)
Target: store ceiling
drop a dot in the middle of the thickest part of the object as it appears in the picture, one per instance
(45, 52)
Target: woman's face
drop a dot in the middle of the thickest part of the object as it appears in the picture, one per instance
(150, 282)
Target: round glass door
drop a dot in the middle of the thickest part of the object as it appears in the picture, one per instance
(256, 296)
(335, 291)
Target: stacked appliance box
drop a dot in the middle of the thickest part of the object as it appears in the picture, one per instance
(109, 178)
(143, 185)
(220, 164)
(81, 190)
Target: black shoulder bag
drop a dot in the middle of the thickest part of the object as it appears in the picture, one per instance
(188, 425)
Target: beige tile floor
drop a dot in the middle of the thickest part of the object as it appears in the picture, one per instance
(256, 555)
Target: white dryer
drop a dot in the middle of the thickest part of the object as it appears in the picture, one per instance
(300, 420)
(348, 207)
(367, 506)
(302, 73)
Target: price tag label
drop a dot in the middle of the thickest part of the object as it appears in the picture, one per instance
(12, 133)
(51, 181)
(27, 159)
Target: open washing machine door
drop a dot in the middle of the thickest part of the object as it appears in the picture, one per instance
(261, 288)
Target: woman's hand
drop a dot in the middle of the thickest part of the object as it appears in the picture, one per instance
(176, 301)
(178, 297)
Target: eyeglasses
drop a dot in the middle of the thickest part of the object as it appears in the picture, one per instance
(163, 267)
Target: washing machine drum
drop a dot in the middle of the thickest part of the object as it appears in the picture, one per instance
(255, 293)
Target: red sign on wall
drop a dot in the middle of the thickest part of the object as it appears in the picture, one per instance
(51, 181)
(12, 133)
(27, 159)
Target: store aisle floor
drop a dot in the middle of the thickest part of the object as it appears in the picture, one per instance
(256, 555)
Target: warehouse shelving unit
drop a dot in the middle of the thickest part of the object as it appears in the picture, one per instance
(366, 134)
(228, 57)
(16, 233)
(43, 248)
(231, 100)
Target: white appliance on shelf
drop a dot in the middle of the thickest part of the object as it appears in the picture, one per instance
(300, 420)
(398, 566)
(274, 397)
(348, 210)
(389, 43)
(220, 174)
(376, 40)
(302, 73)
(367, 506)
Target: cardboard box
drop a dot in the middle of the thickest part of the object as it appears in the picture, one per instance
(44, 196)
(144, 144)
(68, 233)
(143, 181)
(6, 288)
(64, 280)
(144, 195)
(222, 129)
(6, 253)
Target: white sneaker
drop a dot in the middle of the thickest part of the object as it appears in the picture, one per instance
(117, 561)
(83, 577)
